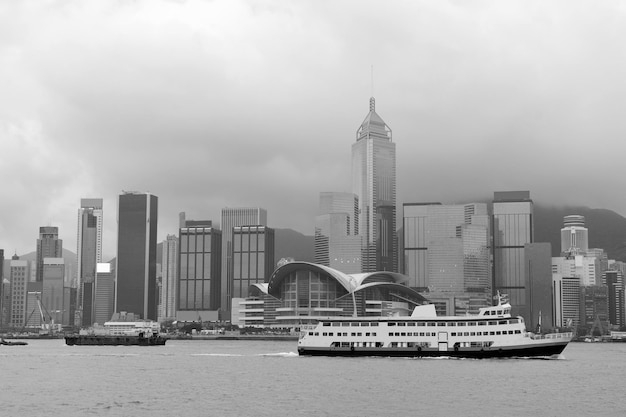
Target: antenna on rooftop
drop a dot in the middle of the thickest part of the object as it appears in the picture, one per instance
(372, 86)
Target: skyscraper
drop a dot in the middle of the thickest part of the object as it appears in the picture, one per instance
(574, 236)
(566, 304)
(512, 229)
(337, 242)
(374, 183)
(48, 246)
(253, 257)
(199, 268)
(104, 298)
(169, 277)
(19, 287)
(88, 255)
(231, 217)
(52, 294)
(136, 289)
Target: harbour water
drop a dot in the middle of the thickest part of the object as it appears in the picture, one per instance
(268, 378)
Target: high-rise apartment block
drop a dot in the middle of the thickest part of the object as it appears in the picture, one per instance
(512, 229)
(199, 269)
(136, 288)
(566, 304)
(253, 257)
(19, 273)
(88, 255)
(48, 246)
(337, 239)
(614, 280)
(374, 183)
(232, 217)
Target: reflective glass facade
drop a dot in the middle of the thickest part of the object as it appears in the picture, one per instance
(253, 257)
(512, 229)
(89, 253)
(374, 183)
(169, 278)
(199, 267)
(136, 289)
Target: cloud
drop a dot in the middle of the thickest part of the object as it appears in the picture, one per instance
(235, 103)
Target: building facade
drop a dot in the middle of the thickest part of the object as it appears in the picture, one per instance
(19, 274)
(614, 280)
(232, 217)
(574, 236)
(566, 292)
(53, 300)
(88, 255)
(136, 287)
(374, 183)
(300, 293)
(337, 241)
(253, 257)
(446, 253)
(104, 293)
(199, 266)
(512, 228)
(48, 246)
(169, 278)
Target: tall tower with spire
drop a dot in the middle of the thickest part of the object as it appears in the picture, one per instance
(374, 182)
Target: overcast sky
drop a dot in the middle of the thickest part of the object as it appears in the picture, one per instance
(212, 104)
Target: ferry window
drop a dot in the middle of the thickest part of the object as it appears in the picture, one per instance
(410, 324)
(482, 323)
(513, 321)
(465, 333)
(472, 333)
(510, 331)
(326, 323)
(359, 334)
(491, 333)
(453, 334)
(499, 312)
(502, 322)
(441, 324)
(401, 324)
(365, 324)
(419, 323)
(430, 323)
(367, 334)
(391, 323)
(352, 334)
(374, 324)
(498, 333)
(310, 333)
(330, 333)
(374, 334)
(452, 324)
(403, 334)
(493, 323)
(355, 323)
(421, 333)
(471, 323)
(409, 334)
(517, 332)
(317, 333)
(345, 324)
(461, 323)
(336, 324)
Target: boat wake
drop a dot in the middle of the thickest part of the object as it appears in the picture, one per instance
(281, 354)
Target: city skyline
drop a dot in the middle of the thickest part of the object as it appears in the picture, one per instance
(90, 113)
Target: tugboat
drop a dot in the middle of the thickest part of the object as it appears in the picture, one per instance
(119, 333)
(491, 333)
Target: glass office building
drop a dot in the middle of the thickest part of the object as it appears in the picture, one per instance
(88, 255)
(136, 288)
(374, 183)
(253, 257)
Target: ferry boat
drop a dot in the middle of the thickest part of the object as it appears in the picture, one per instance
(115, 333)
(493, 332)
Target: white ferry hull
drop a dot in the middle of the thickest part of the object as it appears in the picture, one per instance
(543, 350)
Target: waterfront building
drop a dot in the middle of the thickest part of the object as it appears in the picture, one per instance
(253, 257)
(199, 269)
(594, 310)
(53, 302)
(337, 241)
(48, 246)
(169, 278)
(135, 290)
(447, 256)
(512, 228)
(374, 183)
(566, 292)
(232, 217)
(33, 302)
(614, 280)
(302, 293)
(104, 293)
(18, 276)
(88, 254)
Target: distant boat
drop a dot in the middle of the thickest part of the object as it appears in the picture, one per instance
(119, 333)
(12, 343)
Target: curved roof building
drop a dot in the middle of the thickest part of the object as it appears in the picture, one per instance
(302, 292)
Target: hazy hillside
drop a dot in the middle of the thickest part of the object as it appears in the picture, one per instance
(607, 229)
(292, 244)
